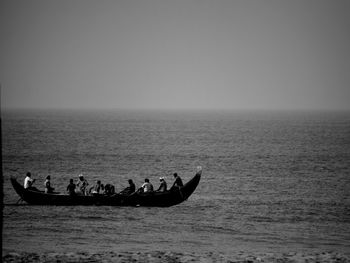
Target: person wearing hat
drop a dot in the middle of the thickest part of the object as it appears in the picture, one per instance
(178, 182)
(48, 188)
(162, 186)
(82, 184)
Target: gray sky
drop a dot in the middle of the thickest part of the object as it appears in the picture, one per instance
(242, 54)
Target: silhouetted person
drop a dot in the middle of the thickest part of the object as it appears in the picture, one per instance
(130, 189)
(177, 183)
(162, 186)
(71, 187)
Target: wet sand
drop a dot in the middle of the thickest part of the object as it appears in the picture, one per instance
(159, 256)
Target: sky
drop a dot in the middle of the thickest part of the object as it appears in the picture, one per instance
(175, 54)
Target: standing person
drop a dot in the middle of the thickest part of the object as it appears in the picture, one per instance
(48, 188)
(147, 186)
(178, 182)
(28, 182)
(82, 184)
(130, 189)
(163, 185)
(71, 187)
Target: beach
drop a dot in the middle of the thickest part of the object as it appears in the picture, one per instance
(161, 256)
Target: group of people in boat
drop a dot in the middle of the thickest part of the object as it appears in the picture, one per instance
(81, 186)
(29, 181)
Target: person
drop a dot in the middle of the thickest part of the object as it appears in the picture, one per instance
(98, 187)
(109, 189)
(28, 182)
(82, 184)
(130, 189)
(162, 186)
(48, 188)
(177, 183)
(71, 187)
(147, 187)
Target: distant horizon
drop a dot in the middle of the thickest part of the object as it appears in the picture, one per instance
(37, 109)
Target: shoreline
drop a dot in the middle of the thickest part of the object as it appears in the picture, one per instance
(168, 256)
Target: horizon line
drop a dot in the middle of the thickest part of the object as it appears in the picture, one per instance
(150, 109)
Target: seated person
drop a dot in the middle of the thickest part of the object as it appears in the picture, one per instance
(98, 188)
(178, 182)
(28, 182)
(109, 189)
(71, 187)
(130, 189)
(147, 187)
(48, 188)
(162, 186)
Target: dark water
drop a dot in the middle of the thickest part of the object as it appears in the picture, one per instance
(272, 182)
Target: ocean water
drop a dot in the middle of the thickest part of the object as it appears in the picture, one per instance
(271, 182)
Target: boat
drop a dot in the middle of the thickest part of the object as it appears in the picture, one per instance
(155, 199)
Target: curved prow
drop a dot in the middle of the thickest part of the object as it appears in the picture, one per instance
(17, 186)
(191, 185)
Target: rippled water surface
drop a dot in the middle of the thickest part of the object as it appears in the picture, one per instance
(271, 181)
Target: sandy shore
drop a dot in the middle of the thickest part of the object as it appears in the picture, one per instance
(159, 256)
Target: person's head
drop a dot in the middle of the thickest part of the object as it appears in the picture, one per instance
(29, 174)
(98, 182)
(146, 180)
(161, 179)
(130, 181)
(71, 181)
(48, 177)
(175, 175)
(81, 177)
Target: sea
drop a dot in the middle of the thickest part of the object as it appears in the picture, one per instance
(272, 181)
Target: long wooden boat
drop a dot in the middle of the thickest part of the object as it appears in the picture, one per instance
(158, 199)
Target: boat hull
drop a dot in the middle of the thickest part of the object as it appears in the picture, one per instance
(157, 199)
